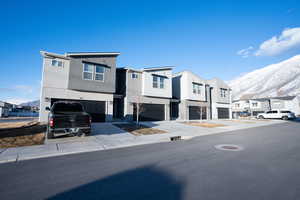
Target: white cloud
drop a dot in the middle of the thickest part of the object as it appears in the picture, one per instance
(289, 38)
(245, 52)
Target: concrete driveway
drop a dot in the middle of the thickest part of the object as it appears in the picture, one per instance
(107, 136)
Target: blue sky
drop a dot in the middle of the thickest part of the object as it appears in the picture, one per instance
(212, 38)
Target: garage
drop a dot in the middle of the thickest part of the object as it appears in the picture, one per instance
(223, 113)
(95, 108)
(196, 111)
(150, 112)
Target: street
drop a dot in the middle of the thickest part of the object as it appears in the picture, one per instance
(268, 167)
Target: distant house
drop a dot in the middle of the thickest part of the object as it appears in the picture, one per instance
(259, 105)
(4, 109)
(291, 103)
(251, 106)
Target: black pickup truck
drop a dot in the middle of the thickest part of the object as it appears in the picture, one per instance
(68, 117)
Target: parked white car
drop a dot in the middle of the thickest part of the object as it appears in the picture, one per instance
(277, 114)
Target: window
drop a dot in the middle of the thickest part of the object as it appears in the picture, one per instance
(93, 72)
(154, 83)
(196, 88)
(285, 111)
(237, 105)
(56, 63)
(88, 71)
(134, 75)
(162, 82)
(158, 80)
(99, 73)
(223, 92)
(254, 104)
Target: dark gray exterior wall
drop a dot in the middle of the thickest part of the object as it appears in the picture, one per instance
(76, 81)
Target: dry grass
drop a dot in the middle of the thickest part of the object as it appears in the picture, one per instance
(242, 121)
(204, 124)
(16, 124)
(17, 134)
(139, 129)
(25, 140)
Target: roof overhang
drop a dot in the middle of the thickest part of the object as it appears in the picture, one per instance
(53, 55)
(92, 54)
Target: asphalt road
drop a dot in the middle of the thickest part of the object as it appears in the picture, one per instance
(267, 168)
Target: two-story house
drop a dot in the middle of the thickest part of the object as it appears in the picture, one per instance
(291, 103)
(251, 106)
(85, 77)
(193, 94)
(221, 99)
(150, 88)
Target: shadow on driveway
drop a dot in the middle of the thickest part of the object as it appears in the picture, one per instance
(141, 183)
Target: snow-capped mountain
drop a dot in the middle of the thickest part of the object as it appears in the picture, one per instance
(279, 79)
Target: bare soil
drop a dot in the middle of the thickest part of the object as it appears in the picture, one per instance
(204, 124)
(139, 129)
(15, 134)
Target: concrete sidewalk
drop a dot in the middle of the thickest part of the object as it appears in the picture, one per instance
(108, 136)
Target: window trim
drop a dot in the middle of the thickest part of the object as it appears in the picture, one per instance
(95, 66)
(161, 82)
(57, 61)
(223, 92)
(154, 81)
(93, 72)
(134, 75)
(197, 88)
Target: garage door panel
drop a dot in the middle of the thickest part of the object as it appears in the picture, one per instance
(95, 108)
(196, 111)
(223, 113)
(150, 112)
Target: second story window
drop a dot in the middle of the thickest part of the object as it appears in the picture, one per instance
(93, 72)
(223, 92)
(88, 71)
(155, 82)
(99, 73)
(162, 82)
(134, 75)
(237, 105)
(56, 63)
(196, 88)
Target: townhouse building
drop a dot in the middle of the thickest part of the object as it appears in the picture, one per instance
(260, 105)
(251, 106)
(291, 103)
(220, 99)
(150, 88)
(85, 77)
(194, 97)
(108, 93)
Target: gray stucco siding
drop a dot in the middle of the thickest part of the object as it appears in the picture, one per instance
(76, 81)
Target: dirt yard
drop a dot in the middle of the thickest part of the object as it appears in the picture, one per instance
(15, 134)
(204, 124)
(139, 129)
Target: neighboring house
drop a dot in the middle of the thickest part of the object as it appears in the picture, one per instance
(291, 103)
(252, 106)
(85, 77)
(151, 88)
(4, 109)
(193, 94)
(221, 99)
